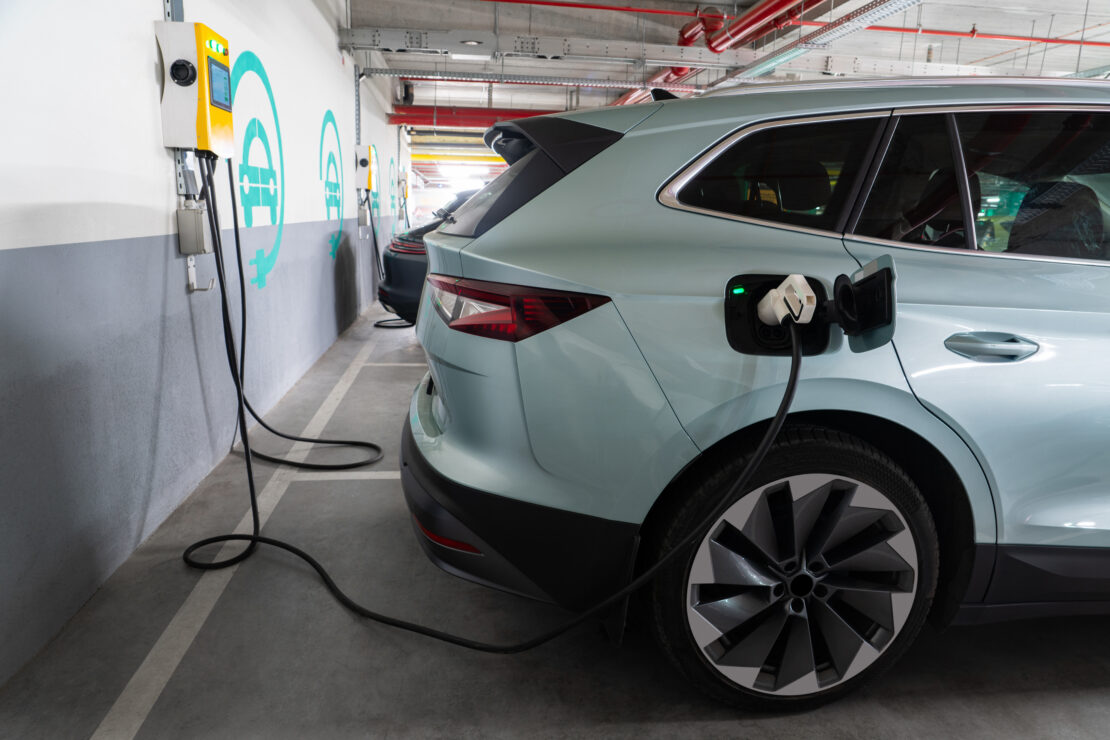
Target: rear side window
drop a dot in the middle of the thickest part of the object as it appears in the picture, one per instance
(915, 197)
(525, 179)
(541, 151)
(1040, 181)
(794, 174)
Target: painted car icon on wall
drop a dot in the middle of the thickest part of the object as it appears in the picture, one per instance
(258, 184)
(331, 186)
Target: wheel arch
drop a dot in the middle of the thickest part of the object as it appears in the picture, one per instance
(941, 486)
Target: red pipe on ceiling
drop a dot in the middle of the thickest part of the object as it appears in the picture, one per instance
(757, 22)
(746, 26)
(449, 116)
(974, 33)
(619, 8)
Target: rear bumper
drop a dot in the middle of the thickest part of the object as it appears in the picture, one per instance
(571, 559)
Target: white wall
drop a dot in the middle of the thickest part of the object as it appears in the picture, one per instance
(83, 158)
(114, 391)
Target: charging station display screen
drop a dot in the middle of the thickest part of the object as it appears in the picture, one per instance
(219, 84)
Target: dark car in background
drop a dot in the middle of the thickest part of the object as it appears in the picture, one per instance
(405, 264)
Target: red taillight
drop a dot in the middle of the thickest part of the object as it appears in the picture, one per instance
(510, 312)
(446, 541)
(404, 246)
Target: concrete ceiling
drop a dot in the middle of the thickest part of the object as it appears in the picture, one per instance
(1068, 19)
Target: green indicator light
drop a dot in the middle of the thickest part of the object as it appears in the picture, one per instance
(738, 290)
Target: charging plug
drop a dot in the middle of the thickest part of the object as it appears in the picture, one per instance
(794, 298)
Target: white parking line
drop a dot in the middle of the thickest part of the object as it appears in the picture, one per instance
(328, 476)
(135, 702)
(396, 364)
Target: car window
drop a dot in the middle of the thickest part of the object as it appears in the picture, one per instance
(915, 197)
(1044, 181)
(796, 174)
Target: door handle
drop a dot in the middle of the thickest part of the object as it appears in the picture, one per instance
(991, 346)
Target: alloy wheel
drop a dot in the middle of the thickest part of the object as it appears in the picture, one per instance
(801, 584)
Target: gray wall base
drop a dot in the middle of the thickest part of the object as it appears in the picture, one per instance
(116, 400)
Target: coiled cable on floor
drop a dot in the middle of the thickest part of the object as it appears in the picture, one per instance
(255, 538)
(394, 323)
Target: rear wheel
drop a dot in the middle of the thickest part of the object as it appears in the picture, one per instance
(813, 581)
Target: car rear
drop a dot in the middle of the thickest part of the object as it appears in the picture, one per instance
(404, 264)
(539, 438)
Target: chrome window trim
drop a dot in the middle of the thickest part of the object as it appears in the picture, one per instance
(976, 252)
(668, 194)
(895, 82)
(907, 110)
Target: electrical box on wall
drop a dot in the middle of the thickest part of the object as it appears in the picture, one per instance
(192, 228)
(196, 88)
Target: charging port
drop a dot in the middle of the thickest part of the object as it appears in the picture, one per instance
(747, 334)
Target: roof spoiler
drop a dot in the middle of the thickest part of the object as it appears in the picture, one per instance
(568, 143)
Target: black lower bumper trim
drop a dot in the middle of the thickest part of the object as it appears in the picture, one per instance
(1031, 581)
(571, 559)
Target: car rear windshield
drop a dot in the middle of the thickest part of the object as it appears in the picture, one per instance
(525, 179)
(554, 146)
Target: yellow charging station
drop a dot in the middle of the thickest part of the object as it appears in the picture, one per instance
(196, 88)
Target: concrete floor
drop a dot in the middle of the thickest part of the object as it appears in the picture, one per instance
(161, 651)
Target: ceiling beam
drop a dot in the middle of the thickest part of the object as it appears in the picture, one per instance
(450, 116)
(453, 44)
(846, 25)
(518, 79)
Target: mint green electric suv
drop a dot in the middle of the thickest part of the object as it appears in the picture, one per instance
(592, 393)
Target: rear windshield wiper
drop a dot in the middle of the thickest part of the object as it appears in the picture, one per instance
(445, 215)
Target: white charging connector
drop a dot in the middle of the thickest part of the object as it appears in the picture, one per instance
(793, 298)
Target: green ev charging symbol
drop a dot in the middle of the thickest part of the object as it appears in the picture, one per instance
(260, 186)
(393, 192)
(375, 181)
(332, 175)
(257, 183)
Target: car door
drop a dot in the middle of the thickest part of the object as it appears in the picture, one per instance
(1008, 344)
(768, 199)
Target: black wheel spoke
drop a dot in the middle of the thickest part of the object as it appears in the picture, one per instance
(835, 644)
(729, 567)
(869, 613)
(791, 657)
(771, 524)
(725, 614)
(737, 542)
(860, 530)
(881, 557)
(749, 644)
(808, 512)
(881, 581)
(836, 502)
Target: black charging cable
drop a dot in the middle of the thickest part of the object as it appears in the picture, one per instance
(375, 450)
(379, 262)
(255, 538)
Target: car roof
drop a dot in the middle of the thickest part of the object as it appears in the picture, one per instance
(717, 114)
(1034, 85)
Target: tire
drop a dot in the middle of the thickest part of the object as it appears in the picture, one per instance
(760, 622)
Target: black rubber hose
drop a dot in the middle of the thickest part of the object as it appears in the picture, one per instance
(394, 323)
(255, 538)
